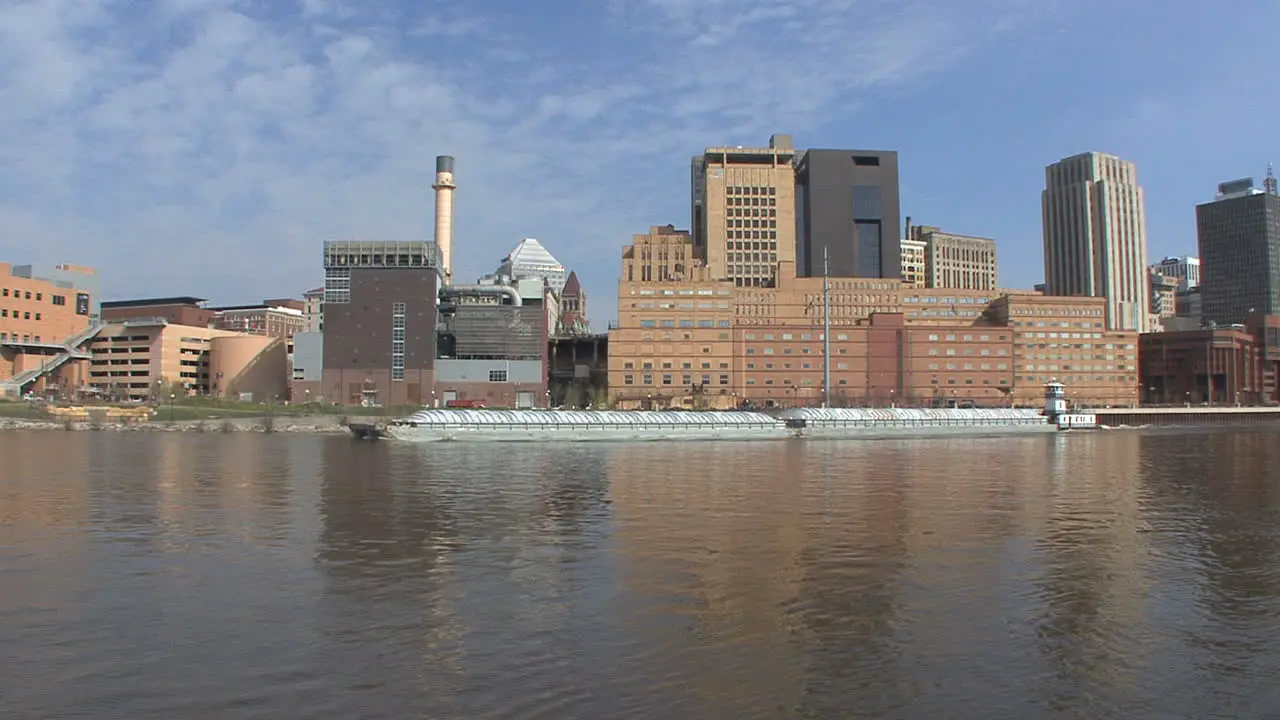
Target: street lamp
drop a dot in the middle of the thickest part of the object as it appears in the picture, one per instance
(892, 403)
(172, 398)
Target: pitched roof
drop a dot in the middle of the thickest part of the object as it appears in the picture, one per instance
(531, 253)
(571, 285)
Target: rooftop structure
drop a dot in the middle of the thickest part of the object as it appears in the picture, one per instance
(531, 259)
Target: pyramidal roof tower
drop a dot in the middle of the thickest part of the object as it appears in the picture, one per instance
(531, 259)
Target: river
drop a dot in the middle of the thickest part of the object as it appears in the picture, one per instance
(1080, 575)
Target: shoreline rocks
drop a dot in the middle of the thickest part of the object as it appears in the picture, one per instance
(308, 424)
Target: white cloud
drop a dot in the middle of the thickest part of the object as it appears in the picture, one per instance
(209, 146)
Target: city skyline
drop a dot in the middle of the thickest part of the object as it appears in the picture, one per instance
(269, 131)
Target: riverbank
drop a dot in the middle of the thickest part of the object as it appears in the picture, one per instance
(304, 424)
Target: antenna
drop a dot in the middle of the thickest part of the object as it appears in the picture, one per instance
(826, 328)
(1269, 185)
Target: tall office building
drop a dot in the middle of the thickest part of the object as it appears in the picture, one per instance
(1095, 235)
(1239, 236)
(847, 205)
(743, 211)
(958, 262)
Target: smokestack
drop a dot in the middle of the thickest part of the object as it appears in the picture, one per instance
(907, 229)
(444, 188)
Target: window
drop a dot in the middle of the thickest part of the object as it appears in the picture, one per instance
(397, 340)
(59, 299)
(498, 376)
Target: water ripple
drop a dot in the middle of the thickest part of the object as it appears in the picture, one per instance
(1095, 575)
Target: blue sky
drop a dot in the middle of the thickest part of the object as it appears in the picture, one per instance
(209, 146)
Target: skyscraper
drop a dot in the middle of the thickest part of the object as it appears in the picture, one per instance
(743, 211)
(1239, 236)
(1095, 235)
(848, 207)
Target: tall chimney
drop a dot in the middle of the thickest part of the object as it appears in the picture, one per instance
(444, 188)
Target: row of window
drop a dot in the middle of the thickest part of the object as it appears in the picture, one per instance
(1082, 378)
(681, 291)
(686, 323)
(752, 235)
(6, 337)
(683, 305)
(751, 190)
(28, 295)
(668, 365)
(984, 352)
(686, 380)
(26, 314)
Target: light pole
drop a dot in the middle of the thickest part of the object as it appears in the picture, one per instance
(172, 398)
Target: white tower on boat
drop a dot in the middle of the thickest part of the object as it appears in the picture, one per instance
(1055, 399)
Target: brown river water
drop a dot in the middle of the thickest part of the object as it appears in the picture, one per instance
(1123, 574)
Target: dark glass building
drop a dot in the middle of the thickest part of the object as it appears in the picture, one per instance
(1239, 237)
(847, 204)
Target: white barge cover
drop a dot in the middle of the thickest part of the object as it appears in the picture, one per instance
(909, 418)
(432, 424)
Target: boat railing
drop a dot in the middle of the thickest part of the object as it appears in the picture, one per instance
(588, 427)
(910, 422)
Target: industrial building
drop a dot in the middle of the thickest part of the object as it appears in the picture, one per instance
(396, 328)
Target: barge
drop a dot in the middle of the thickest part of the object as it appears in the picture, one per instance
(451, 424)
(901, 422)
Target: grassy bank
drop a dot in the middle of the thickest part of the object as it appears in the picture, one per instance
(218, 410)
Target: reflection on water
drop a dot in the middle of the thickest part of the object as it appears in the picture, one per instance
(1083, 575)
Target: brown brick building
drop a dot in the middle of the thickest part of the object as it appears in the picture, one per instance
(1227, 366)
(379, 322)
(686, 339)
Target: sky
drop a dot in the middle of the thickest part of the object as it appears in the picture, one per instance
(209, 147)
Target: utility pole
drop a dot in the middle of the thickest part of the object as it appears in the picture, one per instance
(826, 329)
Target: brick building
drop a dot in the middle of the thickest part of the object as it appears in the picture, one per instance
(686, 339)
(1227, 366)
